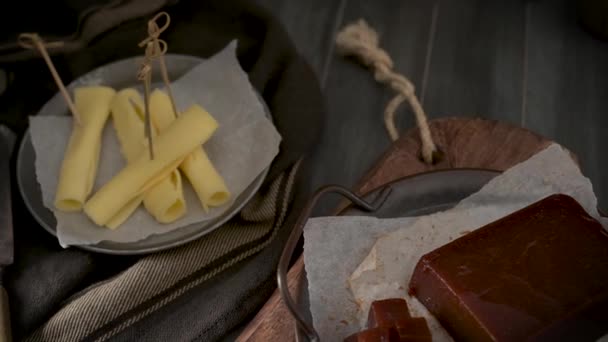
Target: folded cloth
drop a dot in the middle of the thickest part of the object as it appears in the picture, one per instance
(206, 288)
(75, 24)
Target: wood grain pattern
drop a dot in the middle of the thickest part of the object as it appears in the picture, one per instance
(523, 62)
(311, 25)
(472, 143)
(526, 63)
(476, 67)
(567, 88)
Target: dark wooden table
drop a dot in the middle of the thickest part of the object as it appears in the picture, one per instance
(528, 63)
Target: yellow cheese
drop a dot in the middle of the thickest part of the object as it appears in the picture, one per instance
(128, 125)
(165, 200)
(206, 181)
(124, 213)
(189, 131)
(79, 166)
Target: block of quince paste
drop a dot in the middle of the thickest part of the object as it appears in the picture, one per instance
(384, 313)
(395, 313)
(413, 329)
(208, 184)
(190, 130)
(81, 157)
(538, 271)
(165, 200)
(379, 334)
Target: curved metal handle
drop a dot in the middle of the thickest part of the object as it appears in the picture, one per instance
(292, 241)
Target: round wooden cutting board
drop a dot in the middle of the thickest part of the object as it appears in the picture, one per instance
(464, 143)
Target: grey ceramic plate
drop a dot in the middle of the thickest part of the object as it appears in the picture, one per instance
(119, 75)
(417, 195)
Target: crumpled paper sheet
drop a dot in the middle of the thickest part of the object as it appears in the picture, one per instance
(244, 145)
(348, 266)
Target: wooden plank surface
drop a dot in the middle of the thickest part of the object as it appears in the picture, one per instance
(476, 67)
(354, 135)
(311, 25)
(523, 62)
(567, 87)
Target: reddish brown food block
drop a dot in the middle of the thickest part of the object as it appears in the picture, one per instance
(539, 272)
(384, 313)
(413, 329)
(379, 334)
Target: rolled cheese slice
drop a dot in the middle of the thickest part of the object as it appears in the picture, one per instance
(81, 157)
(124, 213)
(197, 167)
(189, 131)
(165, 201)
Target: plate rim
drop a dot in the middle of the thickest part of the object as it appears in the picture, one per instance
(26, 137)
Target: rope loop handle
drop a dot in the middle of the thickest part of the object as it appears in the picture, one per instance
(361, 41)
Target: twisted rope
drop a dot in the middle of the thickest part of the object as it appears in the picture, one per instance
(361, 41)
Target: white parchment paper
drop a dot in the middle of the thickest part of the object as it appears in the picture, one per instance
(243, 146)
(352, 261)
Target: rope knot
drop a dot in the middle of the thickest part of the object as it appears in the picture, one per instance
(360, 40)
(403, 85)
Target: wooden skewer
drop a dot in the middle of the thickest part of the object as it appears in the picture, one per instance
(33, 41)
(165, 75)
(145, 75)
(155, 49)
(147, 129)
(148, 121)
(160, 47)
